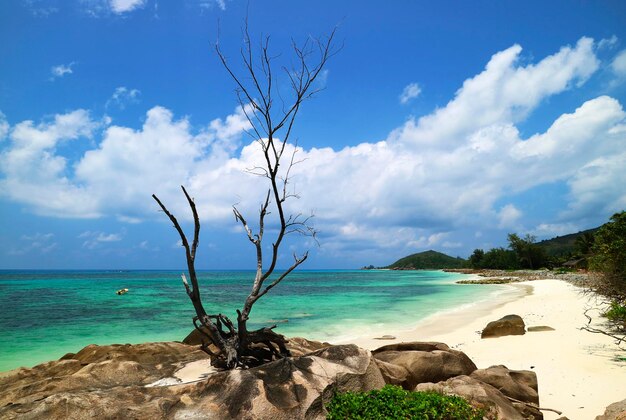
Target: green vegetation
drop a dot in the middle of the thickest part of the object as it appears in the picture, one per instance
(567, 246)
(393, 402)
(523, 253)
(609, 257)
(428, 260)
(617, 313)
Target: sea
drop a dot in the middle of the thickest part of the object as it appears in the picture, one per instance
(46, 314)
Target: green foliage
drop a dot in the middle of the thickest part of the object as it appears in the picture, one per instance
(609, 252)
(393, 402)
(528, 253)
(428, 260)
(499, 259)
(475, 260)
(617, 313)
(567, 246)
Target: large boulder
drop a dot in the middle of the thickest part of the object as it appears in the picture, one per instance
(518, 384)
(507, 325)
(615, 411)
(423, 362)
(480, 394)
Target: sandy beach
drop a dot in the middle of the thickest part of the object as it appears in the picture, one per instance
(578, 371)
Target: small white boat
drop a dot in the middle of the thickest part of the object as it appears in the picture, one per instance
(122, 291)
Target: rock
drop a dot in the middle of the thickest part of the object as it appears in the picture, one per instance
(508, 325)
(299, 346)
(290, 388)
(96, 382)
(111, 382)
(480, 394)
(518, 384)
(423, 362)
(615, 411)
(393, 374)
(539, 328)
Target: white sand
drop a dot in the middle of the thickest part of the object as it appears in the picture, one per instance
(577, 370)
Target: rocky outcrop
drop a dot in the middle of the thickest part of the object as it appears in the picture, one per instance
(290, 388)
(507, 325)
(139, 382)
(615, 411)
(110, 382)
(424, 362)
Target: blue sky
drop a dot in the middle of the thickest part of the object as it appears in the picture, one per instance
(443, 125)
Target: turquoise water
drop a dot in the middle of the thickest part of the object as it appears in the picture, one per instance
(45, 314)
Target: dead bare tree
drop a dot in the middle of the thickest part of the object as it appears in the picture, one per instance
(228, 345)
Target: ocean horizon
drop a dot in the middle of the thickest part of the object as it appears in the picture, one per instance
(48, 313)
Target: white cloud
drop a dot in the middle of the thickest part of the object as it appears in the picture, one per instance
(36, 175)
(123, 96)
(61, 70)
(448, 169)
(93, 239)
(123, 6)
(209, 4)
(508, 216)
(608, 43)
(411, 91)
(504, 93)
(619, 64)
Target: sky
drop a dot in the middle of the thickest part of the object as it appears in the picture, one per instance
(440, 125)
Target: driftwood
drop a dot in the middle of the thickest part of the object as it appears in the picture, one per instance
(227, 344)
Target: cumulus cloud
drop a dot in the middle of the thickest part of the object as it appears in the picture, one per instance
(411, 91)
(411, 190)
(61, 70)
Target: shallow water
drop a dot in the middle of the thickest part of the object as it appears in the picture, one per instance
(45, 314)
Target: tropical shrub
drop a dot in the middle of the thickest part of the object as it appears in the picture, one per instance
(393, 402)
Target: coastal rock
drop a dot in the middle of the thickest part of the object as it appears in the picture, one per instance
(299, 346)
(507, 325)
(290, 388)
(539, 328)
(480, 394)
(615, 411)
(95, 386)
(393, 374)
(519, 384)
(424, 362)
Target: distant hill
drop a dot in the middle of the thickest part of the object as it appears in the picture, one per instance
(428, 260)
(563, 245)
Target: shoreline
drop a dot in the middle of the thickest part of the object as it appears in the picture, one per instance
(578, 371)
